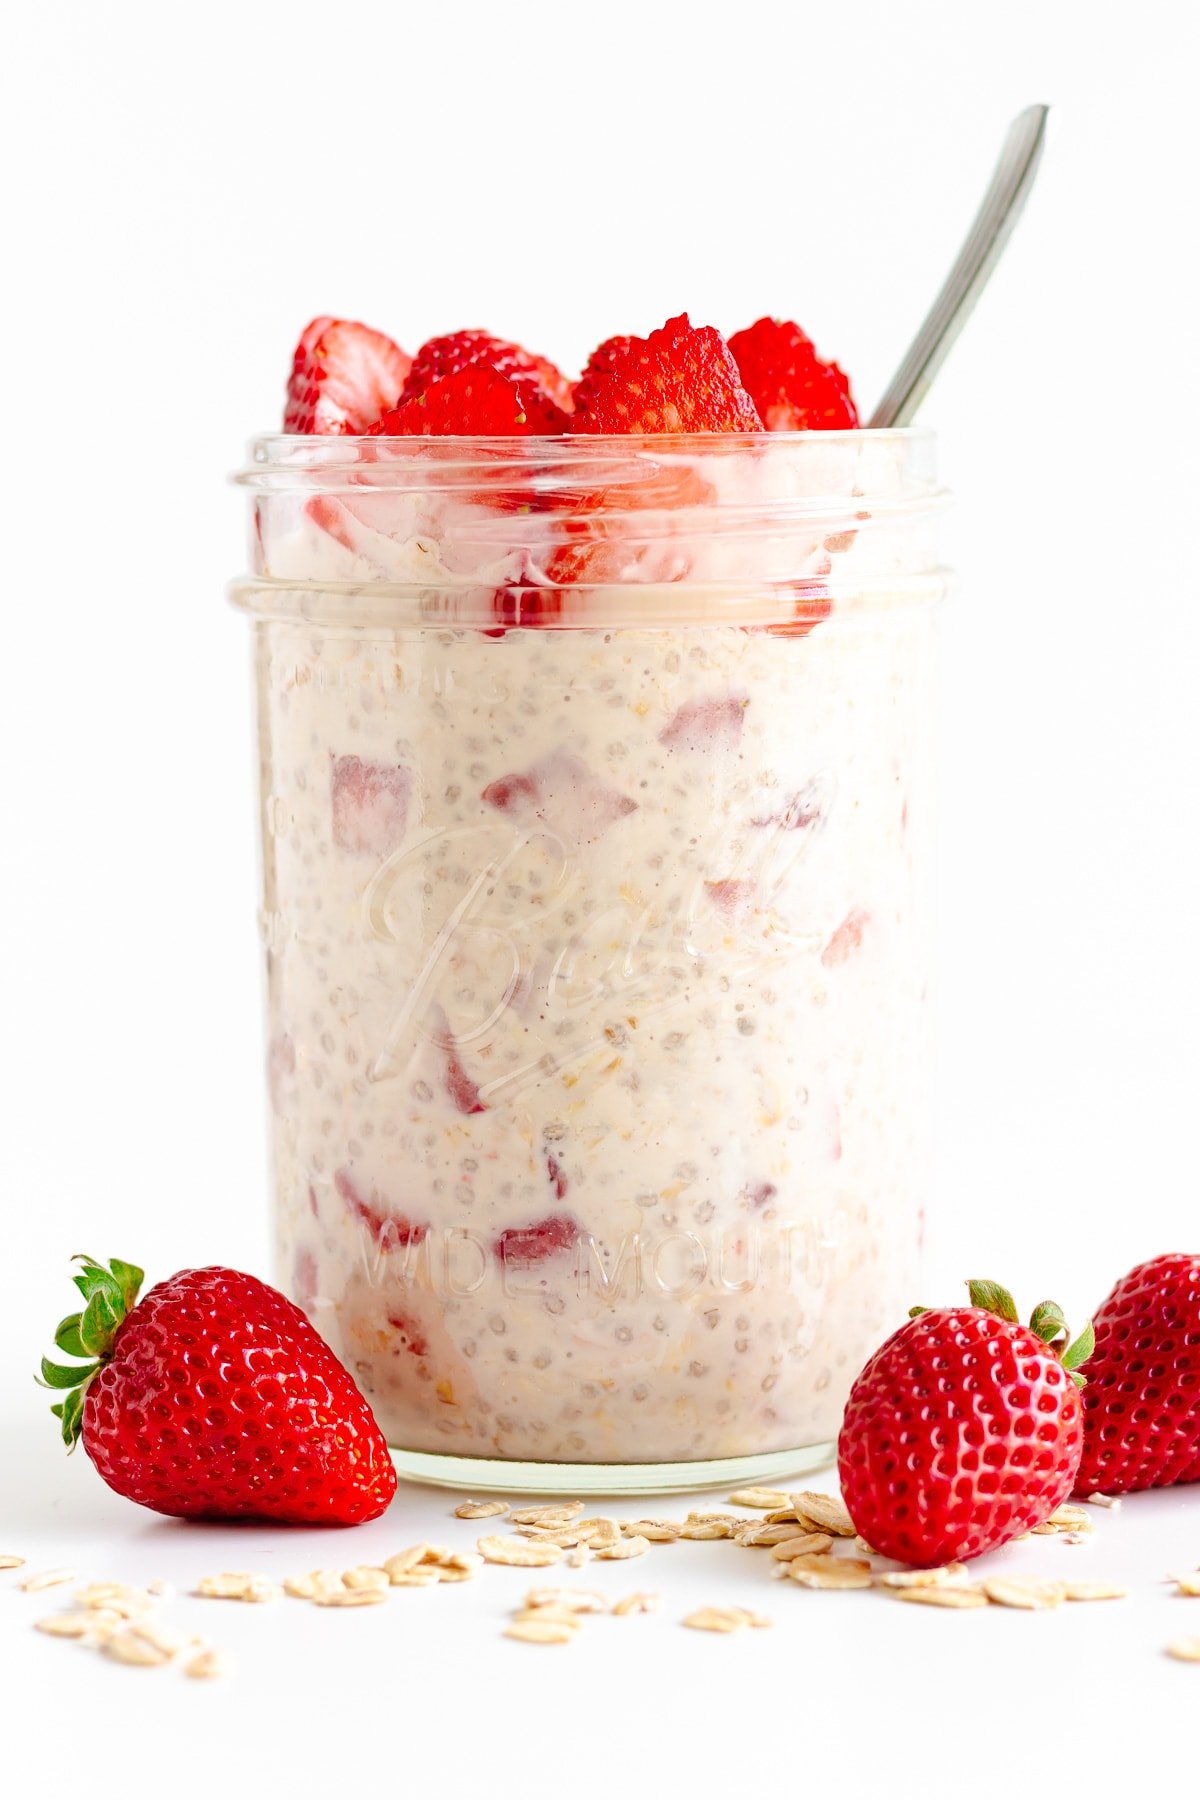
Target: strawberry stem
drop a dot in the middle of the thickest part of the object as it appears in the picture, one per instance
(109, 1295)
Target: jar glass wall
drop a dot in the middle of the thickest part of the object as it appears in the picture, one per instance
(594, 819)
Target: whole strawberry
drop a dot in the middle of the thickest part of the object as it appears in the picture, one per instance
(1141, 1409)
(212, 1397)
(964, 1430)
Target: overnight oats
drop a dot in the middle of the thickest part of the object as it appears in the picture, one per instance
(593, 819)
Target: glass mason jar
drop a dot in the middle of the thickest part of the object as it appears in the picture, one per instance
(593, 826)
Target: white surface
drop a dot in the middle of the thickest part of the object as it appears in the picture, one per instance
(188, 186)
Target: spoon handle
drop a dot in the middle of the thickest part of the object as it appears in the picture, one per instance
(998, 213)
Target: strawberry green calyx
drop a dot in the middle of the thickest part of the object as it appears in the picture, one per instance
(109, 1294)
(1047, 1322)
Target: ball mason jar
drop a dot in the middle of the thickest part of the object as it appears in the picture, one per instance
(594, 823)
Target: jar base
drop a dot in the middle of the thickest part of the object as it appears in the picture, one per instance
(492, 1475)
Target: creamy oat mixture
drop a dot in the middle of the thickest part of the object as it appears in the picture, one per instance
(596, 1011)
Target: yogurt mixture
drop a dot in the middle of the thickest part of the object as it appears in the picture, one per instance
(596, 1005)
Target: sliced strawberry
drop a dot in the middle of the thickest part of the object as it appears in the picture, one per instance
(370, 805)
(475, 402)
(343, 376)
(846, 939)
(681, 378)
(389, 1230)
(788, 382)
(562, 792)
(545, 389)
(547, 1237)
(713, 723)
(558, 1178)
(463, 1091)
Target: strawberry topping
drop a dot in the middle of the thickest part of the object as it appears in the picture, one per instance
(544, 388)
(473, 402)
(681, 378)
(343, 376)
(788, 382)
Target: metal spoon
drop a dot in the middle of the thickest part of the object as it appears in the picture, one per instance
(999, 212)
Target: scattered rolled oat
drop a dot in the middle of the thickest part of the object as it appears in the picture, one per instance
(824, 1513)
(208, 1665)
(767, 1499)
(1070, 1518)
(520, 1553)
(724, 1618)
(622, 1549)
(1109, 1500)
(559, 1513)
(255, 1589)
(655, 1531)
(72, 1624)
(951, 1593)
(1185, 1649)
(1029, 1596)
(764, 1537)
(365, 1577)
(405, 1561)
(923, 1578)
(598, 1532)
(1189, 1584)
(116, 1597)
(363, 1596)
(1094, 1590)
(532, 1630)
(480, 1509)
(416, 1578)
(581, 1600)
(317, 1581)
(12, 1562)
(636, 1603)
(829, 1572)
(139, 1647)
(704, 1531)
(555, 1615)
(809, 1543)
(45, 1578)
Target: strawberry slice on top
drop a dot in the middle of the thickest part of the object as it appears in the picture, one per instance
(793, 389)
(544, 388)
(681, 378)
(473, 402)
(343, 376)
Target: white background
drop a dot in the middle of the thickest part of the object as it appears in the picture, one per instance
(184, 187)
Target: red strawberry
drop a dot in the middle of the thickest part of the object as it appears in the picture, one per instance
(474, 402)
(1141, 1406)
(212, 1397)
(546, 390)
(343, 376)
(964, 1430)
(680, 378)
(787, 381)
